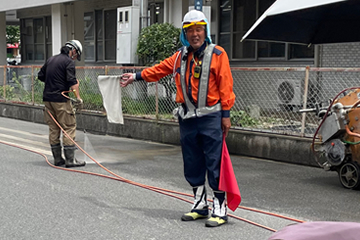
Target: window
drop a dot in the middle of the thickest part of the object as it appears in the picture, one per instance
(156, 13)
(36, 36)
(89, 36)
(48, 37)
(236, 18)
(110, 35)
(243, 20)
(100, 35)
(39, 39)
(27, 35)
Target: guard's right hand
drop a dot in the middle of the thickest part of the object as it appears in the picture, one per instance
(126, 79)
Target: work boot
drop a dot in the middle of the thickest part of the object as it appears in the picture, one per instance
(219, 211)
(200, 208)
(70, 160)
(56, 151)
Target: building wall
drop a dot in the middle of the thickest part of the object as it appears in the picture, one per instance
(340, 55)
(90, 5)
(26, 4)
(34, 12)
(333, 55)
(175, 12)
(105, 4)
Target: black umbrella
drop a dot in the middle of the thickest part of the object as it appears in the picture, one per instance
(308, 22)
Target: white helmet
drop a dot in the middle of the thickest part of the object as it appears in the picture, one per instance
(75, 44)
(194, 17)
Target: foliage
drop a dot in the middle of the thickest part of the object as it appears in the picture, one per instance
(23, 95)
(157, 42)
(92, 99)
(38, 90)
(9, 91)
(12, 34)
(136, 107)
(242, 119)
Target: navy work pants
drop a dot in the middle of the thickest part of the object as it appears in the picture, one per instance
(201, 143)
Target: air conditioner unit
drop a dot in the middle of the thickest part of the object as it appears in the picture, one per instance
(290, 92)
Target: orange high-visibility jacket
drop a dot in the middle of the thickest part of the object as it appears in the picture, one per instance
(220, 86)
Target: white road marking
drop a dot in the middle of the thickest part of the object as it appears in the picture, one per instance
(30, 142)
(30, 148)
(24, 140)
(24, 133)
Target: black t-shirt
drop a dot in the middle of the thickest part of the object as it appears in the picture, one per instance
(58, 73)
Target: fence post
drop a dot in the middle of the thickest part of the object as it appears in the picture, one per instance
(32, 85)
(306, 85)
(106, 70)
(4, 86)
(156, 101)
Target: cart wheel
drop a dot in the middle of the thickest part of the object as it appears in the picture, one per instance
(349, 175)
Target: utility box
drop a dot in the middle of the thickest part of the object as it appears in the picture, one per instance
(128, 28)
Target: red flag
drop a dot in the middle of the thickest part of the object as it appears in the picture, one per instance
(227, 182)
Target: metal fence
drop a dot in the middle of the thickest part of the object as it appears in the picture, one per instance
(267, 99)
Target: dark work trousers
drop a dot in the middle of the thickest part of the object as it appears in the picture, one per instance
(201, 143)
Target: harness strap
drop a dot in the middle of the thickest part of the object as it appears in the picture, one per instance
(202, 109)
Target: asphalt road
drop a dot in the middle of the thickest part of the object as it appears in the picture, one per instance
(41, 202)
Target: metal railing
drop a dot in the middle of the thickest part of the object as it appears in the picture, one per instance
(267, 99)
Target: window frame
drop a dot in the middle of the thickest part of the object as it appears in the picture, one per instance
(46, 44)
(100, 57)
(89, 41)
(104, 36)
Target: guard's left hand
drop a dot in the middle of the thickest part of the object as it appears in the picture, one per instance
(225, 125)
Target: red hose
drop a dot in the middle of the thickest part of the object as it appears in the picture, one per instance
(166, 192)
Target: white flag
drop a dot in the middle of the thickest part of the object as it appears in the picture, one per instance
(111, 94)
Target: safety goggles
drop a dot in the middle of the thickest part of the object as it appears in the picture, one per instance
(189, 24)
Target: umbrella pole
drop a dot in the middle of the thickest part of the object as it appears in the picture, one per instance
(306, 85)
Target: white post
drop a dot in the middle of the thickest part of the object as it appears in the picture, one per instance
(144, 14)
(58, 27)
(166, 11)
(306, 86)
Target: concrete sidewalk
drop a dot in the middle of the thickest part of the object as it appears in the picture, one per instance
(268, 146)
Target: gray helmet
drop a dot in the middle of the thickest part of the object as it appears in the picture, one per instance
(75, 44)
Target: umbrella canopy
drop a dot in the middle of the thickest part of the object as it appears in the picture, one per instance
(308, 22)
